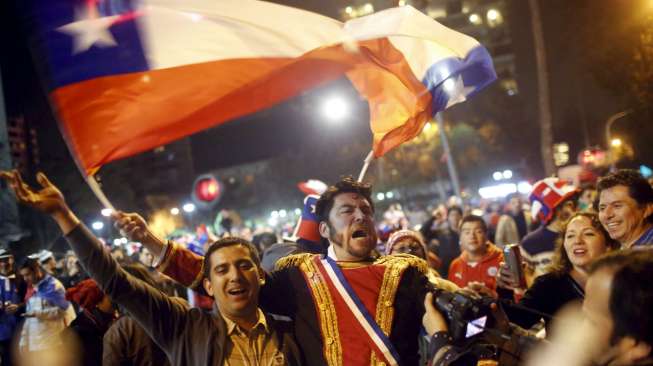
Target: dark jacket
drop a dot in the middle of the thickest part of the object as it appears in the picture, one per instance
(127, 344)
(187, 336)
(548, 294)
(89, 329)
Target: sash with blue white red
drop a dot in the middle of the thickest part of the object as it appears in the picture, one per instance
(361, 314)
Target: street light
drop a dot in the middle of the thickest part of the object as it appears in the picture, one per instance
(608, 136)
(106, 212)
(334, 108)
(188, 207)
(174, 211)
(616, 142)
(475, 19)
(97, 225)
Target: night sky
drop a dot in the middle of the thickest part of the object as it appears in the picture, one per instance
(580, 105)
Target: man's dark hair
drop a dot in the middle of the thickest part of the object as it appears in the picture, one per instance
(474, 218)
(228, 242)
(631, 296)
(30, 263)
(455, 208)
(263, 241)
(345, 185)
(638, 187)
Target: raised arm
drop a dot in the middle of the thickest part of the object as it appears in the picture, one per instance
(172, 259)
(153, 310)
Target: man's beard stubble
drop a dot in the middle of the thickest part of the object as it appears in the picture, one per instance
(338, 239)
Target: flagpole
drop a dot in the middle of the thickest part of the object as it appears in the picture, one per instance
(451, 166)
(366, 165)
(97, 190)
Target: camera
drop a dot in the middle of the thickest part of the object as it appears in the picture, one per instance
(477, 331)
(466, 316)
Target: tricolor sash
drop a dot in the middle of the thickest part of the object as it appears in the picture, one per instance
(356, 306)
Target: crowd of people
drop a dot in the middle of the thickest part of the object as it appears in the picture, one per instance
(562, 277)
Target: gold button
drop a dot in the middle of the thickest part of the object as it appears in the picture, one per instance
(388, 303)
(329, 340)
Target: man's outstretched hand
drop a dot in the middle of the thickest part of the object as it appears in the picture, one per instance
(48, 199)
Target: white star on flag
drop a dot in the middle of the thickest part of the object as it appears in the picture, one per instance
(88, 31)
(457, 91)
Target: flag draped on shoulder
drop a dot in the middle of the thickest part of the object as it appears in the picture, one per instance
(128, 76)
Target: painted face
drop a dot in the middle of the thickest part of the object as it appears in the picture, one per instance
(473, 238)
(234, 281)
(620, 214)
(409, 246)
(583, 242)
(350, 228)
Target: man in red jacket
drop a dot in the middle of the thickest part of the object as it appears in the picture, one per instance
(478, 264)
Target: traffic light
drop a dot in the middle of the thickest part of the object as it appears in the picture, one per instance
(207, 191)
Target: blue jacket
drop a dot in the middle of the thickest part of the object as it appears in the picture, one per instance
(8, 294)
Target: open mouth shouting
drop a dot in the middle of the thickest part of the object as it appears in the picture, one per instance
(358, 234)
(238, 292)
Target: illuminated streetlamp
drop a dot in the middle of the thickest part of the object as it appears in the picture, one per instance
(616, 143)
(97, 225)
(188, 207)
(608, 136)
(334, 108)
(475, 19)
(174, 211)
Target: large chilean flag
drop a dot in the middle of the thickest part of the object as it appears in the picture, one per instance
(128, 76)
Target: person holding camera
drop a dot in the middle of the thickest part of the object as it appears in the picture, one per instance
(467, 329)
(582, 240)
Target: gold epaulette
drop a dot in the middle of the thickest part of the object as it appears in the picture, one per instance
(413, 261)
(293, 260)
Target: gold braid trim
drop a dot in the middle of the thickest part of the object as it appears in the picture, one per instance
(395, 267)
(294, 260)
(198, 279)
(413, 261)
(170, 249)
(323, 305)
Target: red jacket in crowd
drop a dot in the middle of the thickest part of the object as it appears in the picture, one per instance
(462, 272)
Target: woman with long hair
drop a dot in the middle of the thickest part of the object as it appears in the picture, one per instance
(582, 240)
